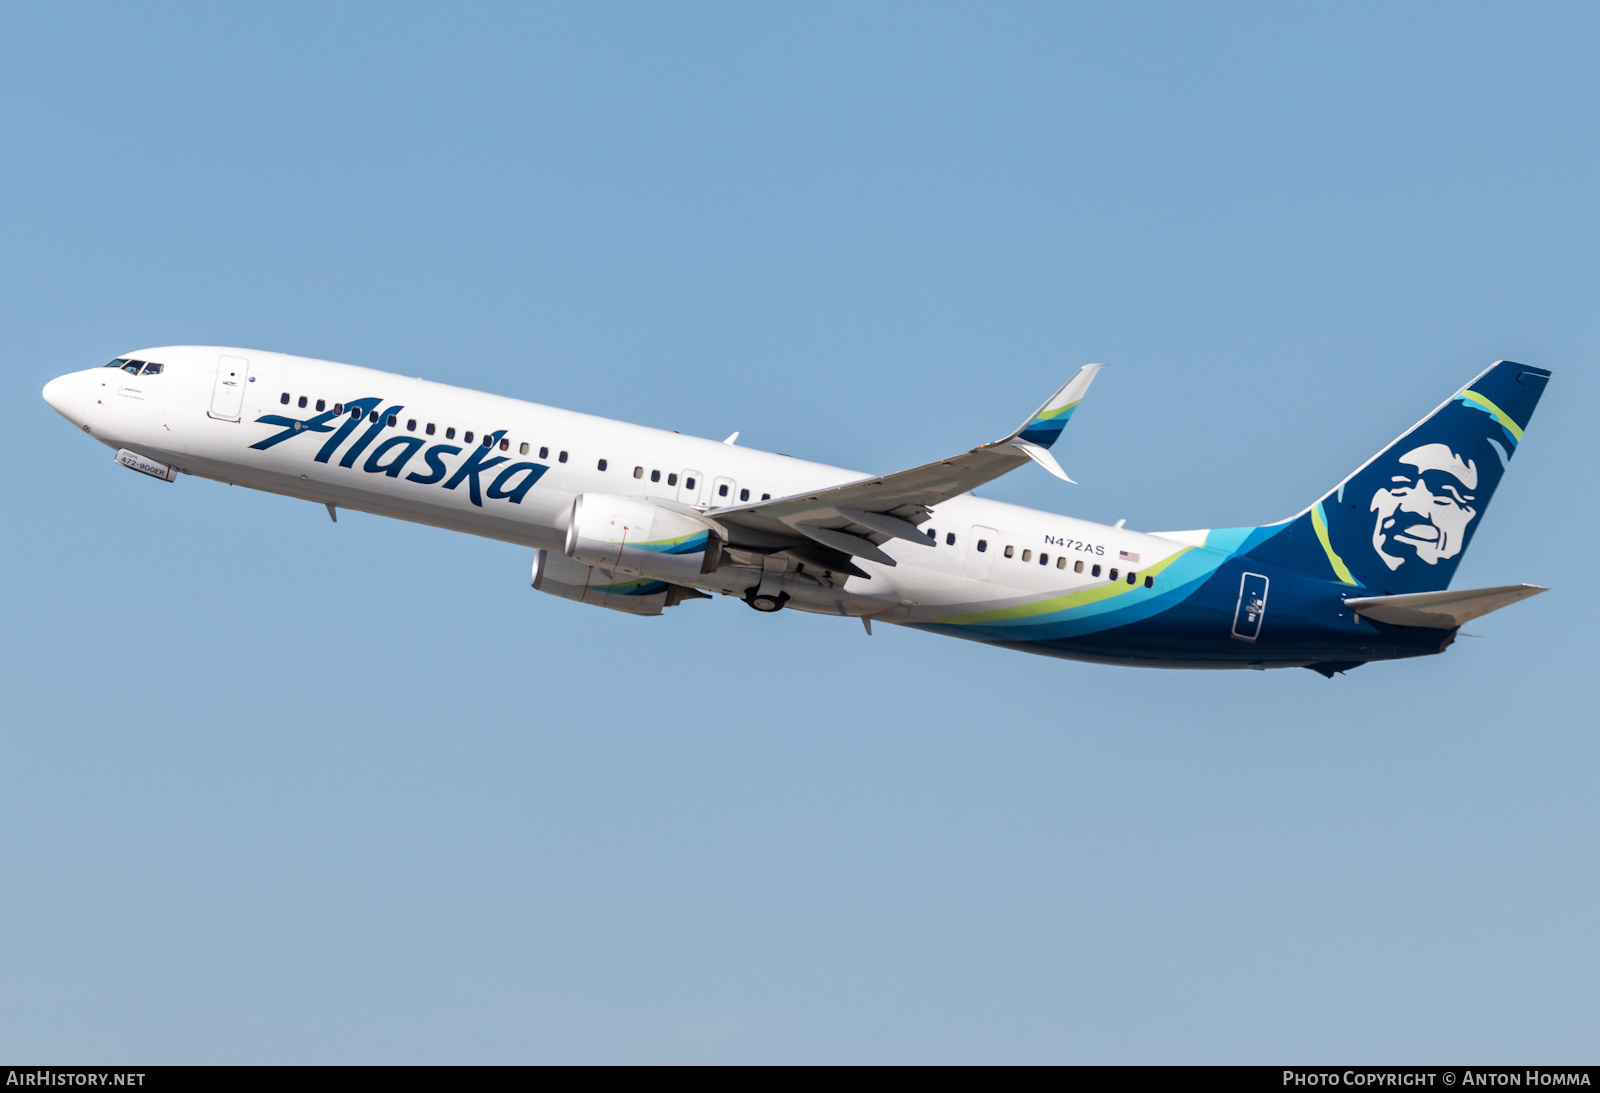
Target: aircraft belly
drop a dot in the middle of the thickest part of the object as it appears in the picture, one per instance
(1193, 624)
(452, 512)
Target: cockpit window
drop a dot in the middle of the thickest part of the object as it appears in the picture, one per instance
(118, 363)
(152, 369)
(132, 367)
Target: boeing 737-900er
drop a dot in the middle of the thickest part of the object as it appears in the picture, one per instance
(636, 519)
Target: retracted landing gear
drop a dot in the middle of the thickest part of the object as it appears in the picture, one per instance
(763, 601)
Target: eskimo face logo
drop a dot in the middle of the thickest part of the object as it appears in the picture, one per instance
(1425, 514)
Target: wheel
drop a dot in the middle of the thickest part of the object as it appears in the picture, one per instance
(768, 603)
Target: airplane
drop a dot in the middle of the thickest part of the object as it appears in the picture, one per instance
(637, 519)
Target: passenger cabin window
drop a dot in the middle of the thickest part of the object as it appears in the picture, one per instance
(302, 402)
(983, 545)
(322, 404)
(950, 538)
(392, 420)
(744, 495)
(466, 437)
(338, 407)
(429, 429)
(601, 464)
(1149, 582)
(1094, 571)
(544, 453)
(688, 483)
(766, 497)
(1027, 555)
(1132, 577)
(1077, 567)
(523, 450)
(284, 398)
(933, 535)
(672, 480)
(638, 472)
(1113, 574)
(411, 425)
(655, 476)
(722, 490)
(563, 457)
(1011, 552)
(488, 441)
(505, 445)
(1044, 559)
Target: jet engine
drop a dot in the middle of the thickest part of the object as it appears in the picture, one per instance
(636, 536)
(571, 580)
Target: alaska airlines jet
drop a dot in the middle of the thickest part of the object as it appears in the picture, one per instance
(637, 520)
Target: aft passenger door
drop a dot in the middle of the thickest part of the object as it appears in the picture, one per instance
(227, 394)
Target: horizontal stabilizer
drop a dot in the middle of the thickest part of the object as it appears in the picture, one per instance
(1440, 610)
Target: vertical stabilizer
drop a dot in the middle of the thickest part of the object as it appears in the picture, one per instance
(1402, 521)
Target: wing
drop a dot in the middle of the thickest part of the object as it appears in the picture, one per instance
(830, 526)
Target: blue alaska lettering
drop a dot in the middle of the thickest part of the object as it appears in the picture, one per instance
(475, 465)
(356, 411)
(531, 473)
(349, 458)
(407, 447)
(436, 468)
(391, 456)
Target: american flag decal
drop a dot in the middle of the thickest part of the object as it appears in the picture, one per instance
(1128, 556)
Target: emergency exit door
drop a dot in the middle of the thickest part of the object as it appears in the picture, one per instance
(981, 545)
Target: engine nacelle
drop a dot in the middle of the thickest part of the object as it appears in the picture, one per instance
(632, 535)
(561, 576)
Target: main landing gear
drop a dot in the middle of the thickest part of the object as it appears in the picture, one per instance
(763, 601)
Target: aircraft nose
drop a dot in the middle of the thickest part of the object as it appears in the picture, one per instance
(66, 395)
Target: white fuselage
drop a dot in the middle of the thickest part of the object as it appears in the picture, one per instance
(173, 418)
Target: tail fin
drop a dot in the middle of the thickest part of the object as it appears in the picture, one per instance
(1401, 522)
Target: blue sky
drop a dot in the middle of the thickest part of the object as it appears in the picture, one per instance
(278, 790)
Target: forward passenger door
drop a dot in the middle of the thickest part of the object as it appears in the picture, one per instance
(227, 393)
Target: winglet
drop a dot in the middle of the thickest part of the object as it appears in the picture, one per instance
(1045, 426)
(1042, 457)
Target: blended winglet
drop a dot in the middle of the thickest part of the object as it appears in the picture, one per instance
(1044, 427)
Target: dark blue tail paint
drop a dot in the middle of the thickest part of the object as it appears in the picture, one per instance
(1403, 520)
(1274, 596)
